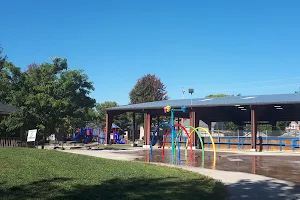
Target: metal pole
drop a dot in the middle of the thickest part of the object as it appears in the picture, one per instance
(238, 138)
(172, 123)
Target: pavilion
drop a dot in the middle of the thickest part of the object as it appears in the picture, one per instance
(238, 109)
(6, 109)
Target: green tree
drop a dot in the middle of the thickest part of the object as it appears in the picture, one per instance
(49, 96)
(2, 57)
(4, 77)
(13, 92)
(101, 113)
(122, 120)
(147, 89)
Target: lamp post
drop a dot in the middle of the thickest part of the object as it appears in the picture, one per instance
(191, 91)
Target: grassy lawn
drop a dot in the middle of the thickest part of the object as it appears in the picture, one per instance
(47, 174)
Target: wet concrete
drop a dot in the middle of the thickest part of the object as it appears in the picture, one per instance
(279, 167)
(240, 185)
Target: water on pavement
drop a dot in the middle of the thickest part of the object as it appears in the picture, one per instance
(280, 167)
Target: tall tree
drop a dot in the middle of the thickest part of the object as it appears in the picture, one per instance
(50, 96)
(2, 58)
(4, 77)
(147, 89)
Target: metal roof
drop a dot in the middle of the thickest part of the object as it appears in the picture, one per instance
(6, 109)
(216, 102)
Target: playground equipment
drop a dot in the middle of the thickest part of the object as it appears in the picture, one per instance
(100, 135)
(172, 110)
(199, 135)
(84, 134)
(175, 138)
(116, 135)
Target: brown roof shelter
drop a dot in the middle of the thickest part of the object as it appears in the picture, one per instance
(237, 109)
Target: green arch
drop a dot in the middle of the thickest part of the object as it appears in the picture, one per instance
(199, 135)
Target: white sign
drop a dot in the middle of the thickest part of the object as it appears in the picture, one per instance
(31, 135)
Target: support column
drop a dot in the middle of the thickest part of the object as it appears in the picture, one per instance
(178, 122)
(133, 128)
(158, 122)
(147, 125)
(209, 128)
(253, 129)
(109, 120)
(194, 121)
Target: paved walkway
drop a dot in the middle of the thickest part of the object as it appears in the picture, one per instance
(241, 185)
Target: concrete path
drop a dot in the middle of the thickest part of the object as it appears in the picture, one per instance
(241, 185)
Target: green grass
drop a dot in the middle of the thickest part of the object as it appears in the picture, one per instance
(47, 174)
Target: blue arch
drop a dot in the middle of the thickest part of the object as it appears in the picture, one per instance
(155, 131)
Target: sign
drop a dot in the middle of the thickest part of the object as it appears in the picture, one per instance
(31, 135)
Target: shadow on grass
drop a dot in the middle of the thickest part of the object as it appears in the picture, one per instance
(143, 189)
(118, 189)
(36, 189)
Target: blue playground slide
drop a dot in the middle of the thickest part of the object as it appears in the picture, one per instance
(83, 135)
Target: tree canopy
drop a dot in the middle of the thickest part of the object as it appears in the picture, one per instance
(49, 95)
(147, 89)
(122, 120)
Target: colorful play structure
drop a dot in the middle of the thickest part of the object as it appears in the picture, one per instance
(176, 137)
(86, 135)
(116, 135)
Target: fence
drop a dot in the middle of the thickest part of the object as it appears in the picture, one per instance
(269, 138)
(263, 130)
(244, 143)
(10, 142)
(263, 143)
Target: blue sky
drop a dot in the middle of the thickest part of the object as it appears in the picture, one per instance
(247, 47)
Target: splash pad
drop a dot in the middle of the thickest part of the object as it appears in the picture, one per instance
(176, 137)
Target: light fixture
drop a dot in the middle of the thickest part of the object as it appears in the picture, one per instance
(244, 109)
(191, 91)
(241, 107)
(277, 106)
(237, 105)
